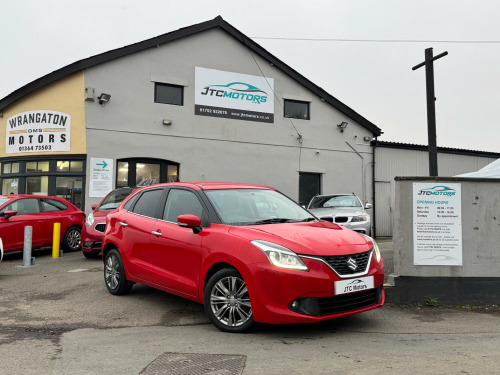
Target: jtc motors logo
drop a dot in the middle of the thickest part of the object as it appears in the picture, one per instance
(237, 91)
(438, 190)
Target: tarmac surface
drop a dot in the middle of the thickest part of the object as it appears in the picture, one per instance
(57, 317)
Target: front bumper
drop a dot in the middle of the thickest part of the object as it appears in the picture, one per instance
(91, 239)
(281, 296)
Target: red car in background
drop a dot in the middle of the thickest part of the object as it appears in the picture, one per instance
(247, 252)
(39, 212)
(93, 230)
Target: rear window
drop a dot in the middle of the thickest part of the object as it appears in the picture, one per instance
(335, 201)
(114, 199)
(50, 205)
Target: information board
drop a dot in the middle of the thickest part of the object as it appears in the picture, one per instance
(101, 177)
(437, 224)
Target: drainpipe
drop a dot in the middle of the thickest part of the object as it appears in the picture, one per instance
(362, 173)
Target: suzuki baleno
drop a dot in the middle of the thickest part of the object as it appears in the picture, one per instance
(247, 252)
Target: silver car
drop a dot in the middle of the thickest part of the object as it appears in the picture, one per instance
(343, 209)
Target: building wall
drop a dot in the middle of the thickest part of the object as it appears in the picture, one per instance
(65, 95)
(480, 231)
(392, 162)
(210, 148)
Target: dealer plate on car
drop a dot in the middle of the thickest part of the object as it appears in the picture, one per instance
(353, 285)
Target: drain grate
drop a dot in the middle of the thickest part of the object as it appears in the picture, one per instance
(196, 364)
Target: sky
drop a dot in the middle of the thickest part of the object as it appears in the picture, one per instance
(364, 71)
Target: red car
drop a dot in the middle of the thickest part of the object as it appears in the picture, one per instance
(247, 252)
(93, 230)
(40, 212)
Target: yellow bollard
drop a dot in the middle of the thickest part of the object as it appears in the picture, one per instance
(56, 239)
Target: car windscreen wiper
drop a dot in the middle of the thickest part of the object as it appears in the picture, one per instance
(274, 220)
(308, 219)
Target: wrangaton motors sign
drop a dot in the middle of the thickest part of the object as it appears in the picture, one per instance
(38, 131)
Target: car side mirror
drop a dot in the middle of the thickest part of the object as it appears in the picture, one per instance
(368, 205)
(94, 206)
(190, 221)
(7, 214)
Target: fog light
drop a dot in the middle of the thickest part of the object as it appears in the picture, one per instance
(87, 244)
(306, 306)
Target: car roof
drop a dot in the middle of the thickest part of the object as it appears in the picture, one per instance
(337, 195)
(15, 196)
(213, 185)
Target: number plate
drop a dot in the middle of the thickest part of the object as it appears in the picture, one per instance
(354, 285)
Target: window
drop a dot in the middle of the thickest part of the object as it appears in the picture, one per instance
(37, 185)
(145, 171)
(69, 166)
(122, 177)
(50, 205)
(10, 168)
(148, 202)
(296, 109)
(45, 175)
(37, 166)
(10, 186)
(147, 174)
(169, 94)
(24, 206)
(181, 202)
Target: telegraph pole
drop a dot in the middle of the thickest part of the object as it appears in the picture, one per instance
(431, 107)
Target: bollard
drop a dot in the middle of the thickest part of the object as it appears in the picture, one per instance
(28, 237)
(55, 240)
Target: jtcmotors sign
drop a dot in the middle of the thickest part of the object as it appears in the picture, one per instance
(38, 131)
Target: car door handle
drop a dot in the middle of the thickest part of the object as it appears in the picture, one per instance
(123, 224)
(158, 234)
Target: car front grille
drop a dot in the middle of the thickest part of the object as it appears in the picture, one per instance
(349, 302)
(341, 219)
(100, 227)
(340, 265)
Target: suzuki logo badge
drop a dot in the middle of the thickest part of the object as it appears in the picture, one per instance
(351, 264)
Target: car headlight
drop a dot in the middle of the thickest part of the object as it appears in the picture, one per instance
(90, 219)
(376, 250)
(280, 256)
(359, 218)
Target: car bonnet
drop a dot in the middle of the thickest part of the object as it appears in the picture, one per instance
(314, 238)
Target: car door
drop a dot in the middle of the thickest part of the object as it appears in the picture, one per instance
(28, 214)
(136, 226)
(177, 250)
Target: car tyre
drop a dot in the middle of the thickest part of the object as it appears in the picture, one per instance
(72, 238)
(114, 274)
(227, 302)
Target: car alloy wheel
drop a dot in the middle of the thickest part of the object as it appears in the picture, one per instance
(227, 301)
(114, 274)
(72, 239)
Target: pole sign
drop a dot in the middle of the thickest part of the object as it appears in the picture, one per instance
(101, 177)
(38, 131)
(233, 95)
(437, 224)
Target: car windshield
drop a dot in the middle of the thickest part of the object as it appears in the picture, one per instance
(4, 200)
(256, 207)
(335, 201)
(114, 199)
